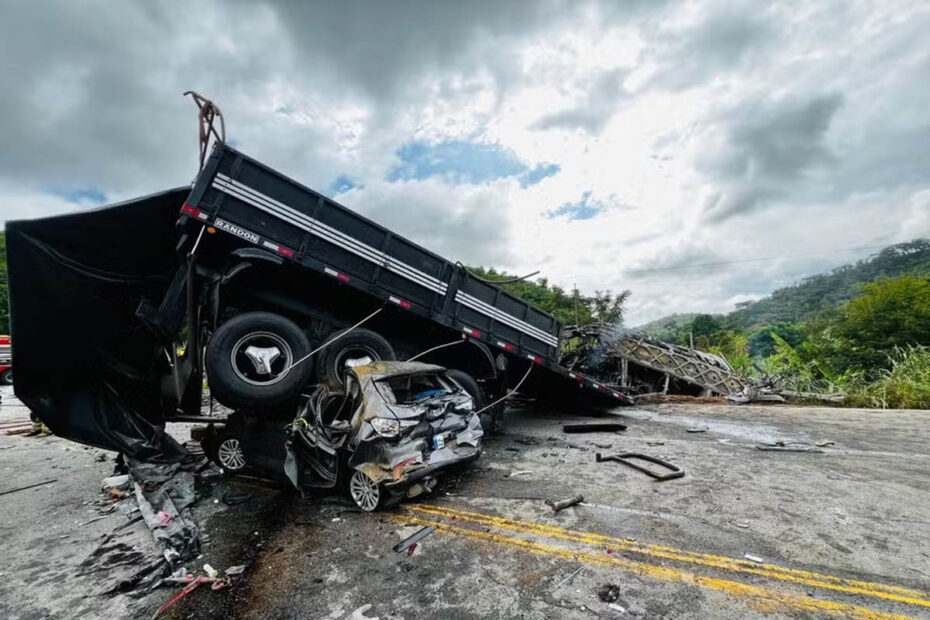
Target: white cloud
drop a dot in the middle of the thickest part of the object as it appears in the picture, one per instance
(709, 133)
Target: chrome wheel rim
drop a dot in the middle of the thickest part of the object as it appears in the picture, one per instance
(365, 491)
(246, 368)
(356, 351)
(230, 455)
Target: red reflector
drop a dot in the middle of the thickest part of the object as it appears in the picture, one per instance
(404, 304)
(400, 302)
(472, 332)
(343, 277)
(191, 211)
(286, 252)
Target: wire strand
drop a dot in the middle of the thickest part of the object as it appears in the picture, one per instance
(332, 340)
(510, 393)
(442, 346)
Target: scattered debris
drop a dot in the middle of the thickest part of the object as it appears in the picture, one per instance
(617, 608)
(697, 430)
(754, 558)
(115, 482)
(165, 496)
(564, 503)
(608, 592)
(676, 472)
(571, 576)
(235, 570)
(92, 520)
(359, 614)
(210, 571)
(411, 541)
(522, 472)
(28, 486)
(215, 584)
(824, 444)
(597, 427)
(781, 446)
(742, 524)
(231, 499)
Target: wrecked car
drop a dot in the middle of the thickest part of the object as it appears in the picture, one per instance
(387, 435)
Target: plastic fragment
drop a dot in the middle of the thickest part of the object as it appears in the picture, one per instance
(753, 558)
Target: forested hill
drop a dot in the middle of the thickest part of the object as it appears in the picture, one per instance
(805, 299)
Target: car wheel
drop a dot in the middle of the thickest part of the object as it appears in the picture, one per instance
(6, 377)
(357, 344)
(225, 449)
(365, 492)
(229, 454)
(250, 358)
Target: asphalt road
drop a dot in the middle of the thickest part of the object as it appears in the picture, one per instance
(841, 532)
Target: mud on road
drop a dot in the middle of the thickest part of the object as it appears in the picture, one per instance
(840, 532)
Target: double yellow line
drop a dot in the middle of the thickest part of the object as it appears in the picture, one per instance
(762, 596)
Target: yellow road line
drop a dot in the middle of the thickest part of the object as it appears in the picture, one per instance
(764, 599)
(807, 578)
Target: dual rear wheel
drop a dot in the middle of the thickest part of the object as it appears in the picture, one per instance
(258, 360)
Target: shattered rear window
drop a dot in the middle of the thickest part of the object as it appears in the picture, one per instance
(411, 389)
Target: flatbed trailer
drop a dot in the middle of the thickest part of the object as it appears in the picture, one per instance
(116, 312)
(260, 207)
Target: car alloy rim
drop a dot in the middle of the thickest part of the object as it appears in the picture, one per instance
(261, 369)
(365, 491)
(230, 455)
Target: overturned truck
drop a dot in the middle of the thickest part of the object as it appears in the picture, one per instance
(260, 285)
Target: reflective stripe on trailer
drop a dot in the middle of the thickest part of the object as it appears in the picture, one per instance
(326, 232)
(336, 274)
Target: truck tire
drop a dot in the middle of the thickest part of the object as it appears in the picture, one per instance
(469, 384)
(356, 344)
(6, 377)
(249, 361)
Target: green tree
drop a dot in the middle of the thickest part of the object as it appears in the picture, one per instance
(863, 333)
(705, 325)
(571, 309)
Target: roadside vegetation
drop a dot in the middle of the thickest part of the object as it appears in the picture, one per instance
(863, 329)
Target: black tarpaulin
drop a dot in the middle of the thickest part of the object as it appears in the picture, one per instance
(85, 365)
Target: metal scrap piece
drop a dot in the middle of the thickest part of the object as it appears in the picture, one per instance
(676, 471)
(597, 427)
(780, 446)
(564, 503)
(412, 540)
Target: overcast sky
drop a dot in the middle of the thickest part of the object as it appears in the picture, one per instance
(697, 153)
